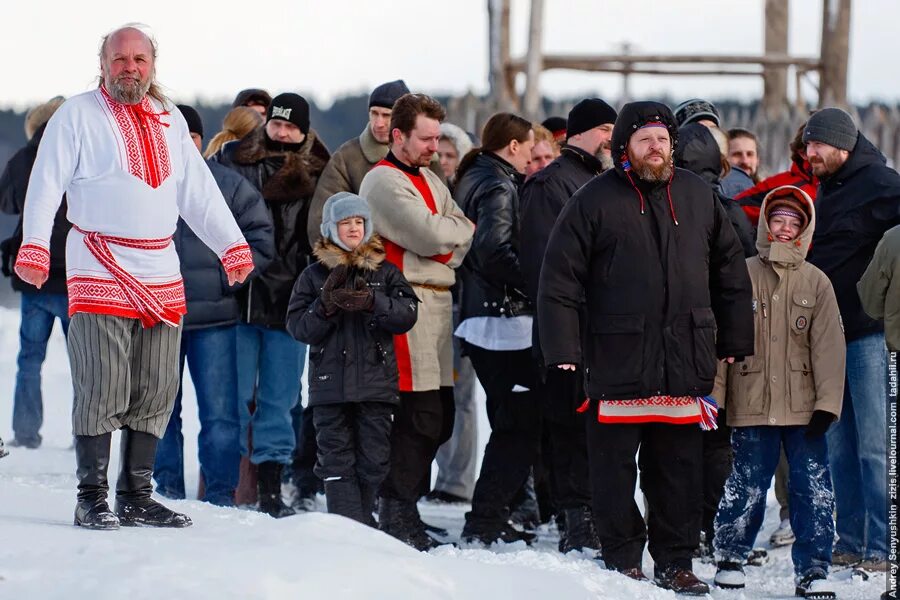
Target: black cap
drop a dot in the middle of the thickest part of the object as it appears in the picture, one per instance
(587, 114)
(556, 126)
(292, 108)
(635, 115)
(252, 96)
(387, 93)
(696, 109)
(194, 122)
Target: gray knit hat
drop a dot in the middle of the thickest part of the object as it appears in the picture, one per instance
(832, 126)
(344, 205)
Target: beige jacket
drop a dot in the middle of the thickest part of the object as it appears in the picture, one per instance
(800, 352)
(426, 247)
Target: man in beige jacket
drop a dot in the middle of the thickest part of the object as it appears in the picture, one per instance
(787, 394)
(426, 236)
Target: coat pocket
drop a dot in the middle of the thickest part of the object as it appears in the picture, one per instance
(801, 317)
(704, 337)
(746, 388)
(617, 349)
(802, 385)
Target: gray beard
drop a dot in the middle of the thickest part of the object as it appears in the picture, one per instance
(606, 160)
(128, 94)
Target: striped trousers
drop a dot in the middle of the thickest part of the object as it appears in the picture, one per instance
(124, 375)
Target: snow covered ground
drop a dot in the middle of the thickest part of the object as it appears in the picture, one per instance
(231, 553)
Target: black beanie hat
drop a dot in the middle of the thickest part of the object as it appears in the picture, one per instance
(194, 122)
(252, 96)
(556, 126)
(387, 93)
(292, 108)
(831, 126)
(696, 109)
(587, 114)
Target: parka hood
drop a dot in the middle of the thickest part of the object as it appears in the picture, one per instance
(787, 254)
(698, 152)
(632, 117)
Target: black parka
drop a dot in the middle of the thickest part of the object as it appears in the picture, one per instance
(492, 281)
(286, 174)
(663, 275)
(351, 354)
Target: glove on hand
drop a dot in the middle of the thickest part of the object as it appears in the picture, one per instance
(354, 300)
(336, 279)
(819, 424)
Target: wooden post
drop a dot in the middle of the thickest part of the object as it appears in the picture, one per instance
(534, 62)
(776, 42)
(498, 48)
(835, 53)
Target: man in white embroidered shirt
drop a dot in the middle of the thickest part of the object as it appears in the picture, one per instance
(126, 161)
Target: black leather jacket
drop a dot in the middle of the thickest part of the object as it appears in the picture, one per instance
(492, 281)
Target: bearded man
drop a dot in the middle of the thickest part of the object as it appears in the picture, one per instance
(124, 158)
(643, 286)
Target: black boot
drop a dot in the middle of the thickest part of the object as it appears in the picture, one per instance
(269, 481)
(367, 494)
(400, 519)
(92, 459)
(579, 531)
(134, 505)
(342, 497)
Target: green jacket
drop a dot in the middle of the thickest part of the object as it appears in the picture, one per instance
(879, 288)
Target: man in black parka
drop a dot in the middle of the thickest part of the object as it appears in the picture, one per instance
(650, 250)
(585, 154)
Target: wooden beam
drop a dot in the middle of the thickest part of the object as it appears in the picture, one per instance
(553, 61)
(774, 100)
(835, 53)
(534, 62)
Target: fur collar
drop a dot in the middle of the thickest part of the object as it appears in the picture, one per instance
(366, 257)
(372, 149)
(296, 178)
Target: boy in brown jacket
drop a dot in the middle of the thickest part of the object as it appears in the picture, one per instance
(787, 394)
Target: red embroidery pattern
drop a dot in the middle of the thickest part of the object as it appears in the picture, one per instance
(105, 296)
(145, 142)
(34, 257)
(237, 256)
(659, 401)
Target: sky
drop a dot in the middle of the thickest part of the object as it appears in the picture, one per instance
(326, 49)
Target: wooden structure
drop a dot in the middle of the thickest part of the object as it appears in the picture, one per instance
(772, 66)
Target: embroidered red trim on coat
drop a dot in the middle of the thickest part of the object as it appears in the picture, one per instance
(34, 257)
(146, 147)
(236, 257)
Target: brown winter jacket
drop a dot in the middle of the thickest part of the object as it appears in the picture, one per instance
(345, 171)
(800, 352)
(879, 288)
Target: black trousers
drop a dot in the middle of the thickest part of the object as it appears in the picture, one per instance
(354, 441)
(567, 458)
(305, 452)
(422, 422)
(671, 462)
(515, 419)
(717, 460)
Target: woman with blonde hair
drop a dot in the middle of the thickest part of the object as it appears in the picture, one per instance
(237, 123)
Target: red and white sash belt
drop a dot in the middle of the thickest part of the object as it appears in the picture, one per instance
(148, 307)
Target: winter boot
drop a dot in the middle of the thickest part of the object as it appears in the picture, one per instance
(342, 497)
(367, 494)
(681, 581)
(3, 450)
(730, 575)
(525, 511)
(134, 506)
(92, 459)
(814, 585)
(269, 480)
(485, 533)
(400, 519)
(783, 536)
(579, 533)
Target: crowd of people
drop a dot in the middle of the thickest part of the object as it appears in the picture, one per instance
(640, 306)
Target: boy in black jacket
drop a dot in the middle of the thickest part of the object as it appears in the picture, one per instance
(347, 306)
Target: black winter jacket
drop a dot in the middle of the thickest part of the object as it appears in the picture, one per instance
(351, 354)
(13, 186)
(854, 208)
(698, 152)
(211, 302)
(663, 275)
(492, 281)
(286, 174)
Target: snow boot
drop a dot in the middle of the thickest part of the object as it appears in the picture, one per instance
(579, 533)
(92, 459)
(525, 511)
(134, 505)
(400, 519)
(730, 575)
(681, 581)
(342, 497)
(783, 536)
(814, 585)
(3, 450)
(757, 557)
(367, 493)
(269, 482)
(485, 533)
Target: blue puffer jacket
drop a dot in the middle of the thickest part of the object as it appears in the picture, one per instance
(210, 300)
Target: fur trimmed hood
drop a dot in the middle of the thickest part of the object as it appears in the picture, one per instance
(297, 177)
(365, 257)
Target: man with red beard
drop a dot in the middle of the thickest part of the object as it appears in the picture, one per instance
(124, 158)
(649, 252)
